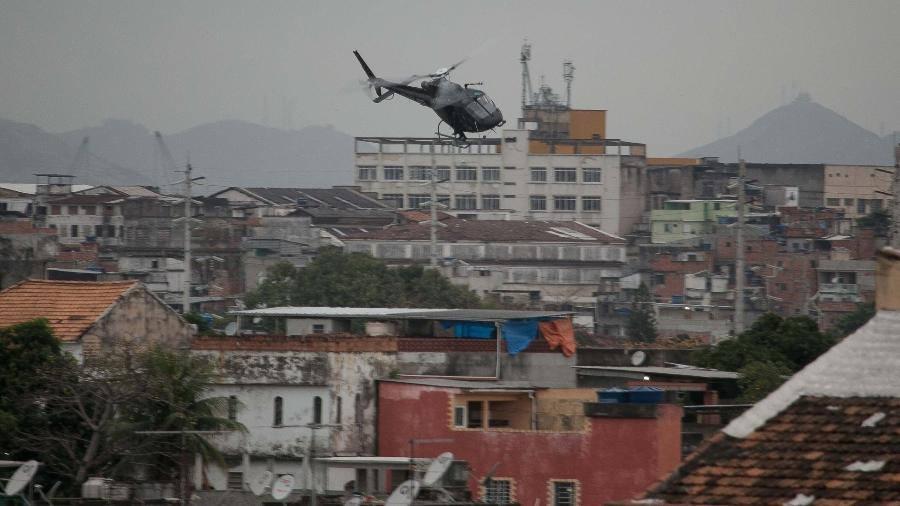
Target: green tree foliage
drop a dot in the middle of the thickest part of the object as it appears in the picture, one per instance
(879, 220)
(771, 348)
(641, 324)
(852, 321)
(336, 278)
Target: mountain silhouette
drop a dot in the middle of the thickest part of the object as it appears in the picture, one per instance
(802, 131)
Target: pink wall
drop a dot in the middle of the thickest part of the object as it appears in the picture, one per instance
(615, 459)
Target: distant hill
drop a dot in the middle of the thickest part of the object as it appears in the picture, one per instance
(802, 132)
(26, 149)
(231, 152)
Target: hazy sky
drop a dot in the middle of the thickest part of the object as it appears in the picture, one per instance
(672, 74)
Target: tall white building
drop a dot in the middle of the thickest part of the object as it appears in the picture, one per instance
(596, 181)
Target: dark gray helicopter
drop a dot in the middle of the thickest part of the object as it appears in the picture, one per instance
(464, 109)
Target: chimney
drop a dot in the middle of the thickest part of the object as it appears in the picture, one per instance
(887, 280)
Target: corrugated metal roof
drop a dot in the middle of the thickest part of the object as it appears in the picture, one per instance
(401, 313)
(683, 372)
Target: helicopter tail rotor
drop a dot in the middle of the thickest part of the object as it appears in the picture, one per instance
(373, 81)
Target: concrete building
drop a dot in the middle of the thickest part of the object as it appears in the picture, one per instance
(25, 251)
(683, 219)
(597, 181)
(516, 261)
(858, 190)
(553, 446)
(87, 218)
(92, 318)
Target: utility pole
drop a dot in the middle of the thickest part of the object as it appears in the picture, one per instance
(739, 254)
(895, 202)
(186, 289)
(434, 221)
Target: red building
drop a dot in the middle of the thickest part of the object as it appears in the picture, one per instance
(545, 446)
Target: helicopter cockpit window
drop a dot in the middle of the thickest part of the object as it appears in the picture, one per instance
(486, 102)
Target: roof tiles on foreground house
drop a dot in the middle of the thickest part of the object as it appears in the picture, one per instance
(829, 436)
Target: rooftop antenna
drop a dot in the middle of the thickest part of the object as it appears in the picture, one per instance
(568, 77)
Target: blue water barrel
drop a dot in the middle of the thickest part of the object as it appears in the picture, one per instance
(645, 395)
(612, 396)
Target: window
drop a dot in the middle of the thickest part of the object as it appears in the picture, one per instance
(466, 174)
(318, 328)
(490, 201)
(111, 231)
(367, 174)
(339, 408)
(861, 206)
(154, 264)
(592, 175)
(459, 416)
(565, 175)
(875, 204)
(490, 174)
(74, 231)
(73, 210)
(317, 409)
(278, 417)
(564, 203)
(833, 202)
(848, 202)
(393, 199)
(591, 203)
(538, 174)
(235, 480)
(563, 493)
(89, 209)
(98, 230)
(473, 410)
(417, 200)
(232, 407)
(419, 173)
(466, 202)
(498, 491)
(56, 209)
(538, 203)
(393, 173)
(443, 173)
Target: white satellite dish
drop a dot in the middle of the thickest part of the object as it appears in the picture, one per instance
(282, 486)
(638, 358)
(356, 500)
(231, 329)
(404, 494)
(437, 468)
(259, 485)
(21, 477)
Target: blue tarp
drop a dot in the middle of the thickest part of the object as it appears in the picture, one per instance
(474, 330)
(519, 334)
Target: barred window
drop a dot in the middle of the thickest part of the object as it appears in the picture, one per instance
(393, 199)
(393, 173)
(564, 493)
(490, 174)
(538, 203)
(498, 491)
(490, 201)
(591, 203)
(466, 202)
(564, 202)
(419, 173)
(443, 173)
(538, 174)
(592, 175)
(368, 174)
(417, 200)
(466, 174)
(565, 175)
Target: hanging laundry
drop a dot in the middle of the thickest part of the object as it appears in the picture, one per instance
(519, 334)
(559, 333)
(472, 330)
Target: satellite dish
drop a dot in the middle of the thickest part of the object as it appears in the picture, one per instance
(638, 358)
(231, 329)
(21, 477)
(356, 500)
(282, 486)
(437, 468)
(404, 494)
(259, 485)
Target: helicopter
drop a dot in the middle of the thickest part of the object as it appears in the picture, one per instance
(463, 108)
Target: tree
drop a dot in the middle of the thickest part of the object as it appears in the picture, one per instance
(879, 220)
(336, 278)
(850, 322)
(773, 347)
(641, 324)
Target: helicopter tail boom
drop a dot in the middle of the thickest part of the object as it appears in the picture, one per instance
(371, 75)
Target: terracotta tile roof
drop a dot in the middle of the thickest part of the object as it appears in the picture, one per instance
(497, 231)
(838, 450)
(70, 306)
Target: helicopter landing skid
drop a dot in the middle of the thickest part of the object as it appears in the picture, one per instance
(458, 140)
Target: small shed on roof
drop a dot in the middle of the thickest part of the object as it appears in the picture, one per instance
(89, 316)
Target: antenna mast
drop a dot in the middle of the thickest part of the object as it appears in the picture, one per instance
(524, 57)
(568, 77)
(739, 254)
